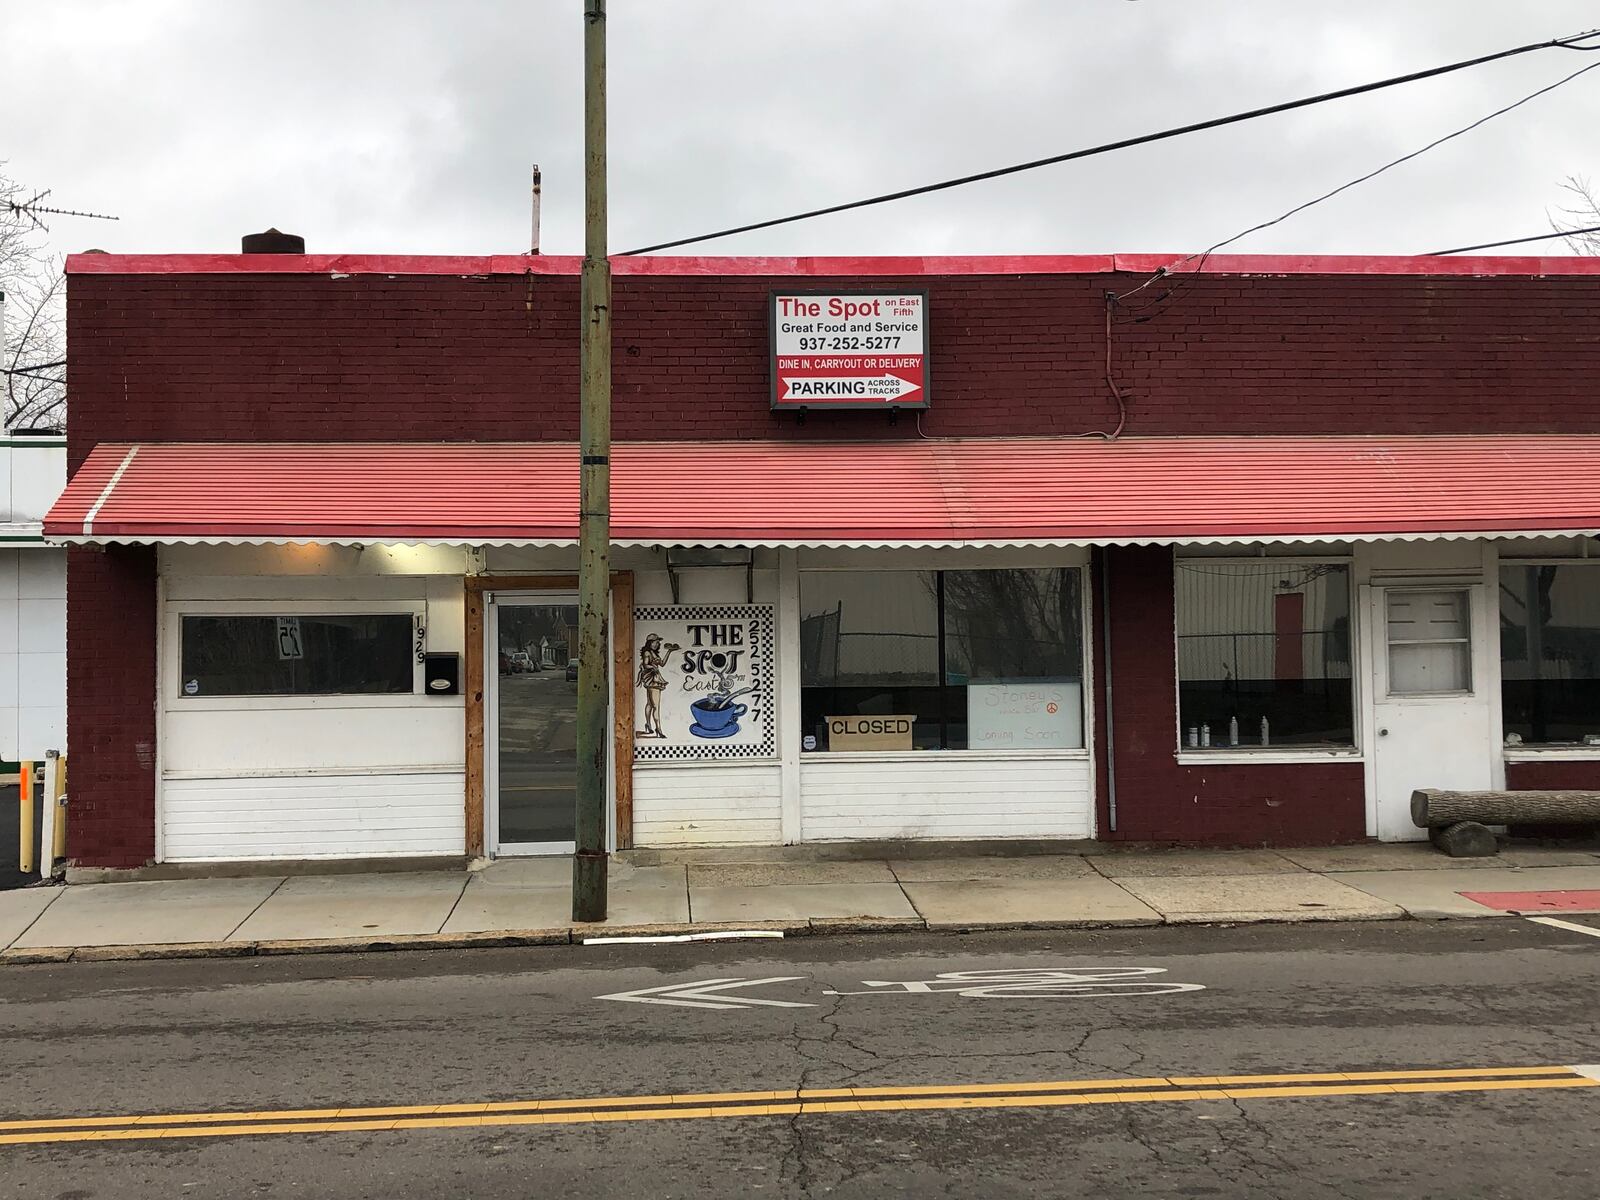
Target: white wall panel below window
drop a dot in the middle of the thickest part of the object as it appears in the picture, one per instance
(707, 806)
(395, 732)
(939, 795)
(313, 816)
(33, 658)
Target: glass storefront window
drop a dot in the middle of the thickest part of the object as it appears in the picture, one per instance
(1550, 653)
(1263, 655)
(305, 655)
(1013, 660)
(941, 660)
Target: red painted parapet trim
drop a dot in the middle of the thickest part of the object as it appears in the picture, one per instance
(906, 266)
(1357, 264)
(558, 264)
(322, 264)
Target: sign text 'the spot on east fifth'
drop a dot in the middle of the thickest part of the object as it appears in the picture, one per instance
(836, 351)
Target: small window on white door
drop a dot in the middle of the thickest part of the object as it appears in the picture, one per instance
(1430, 642)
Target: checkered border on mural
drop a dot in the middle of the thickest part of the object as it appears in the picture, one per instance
(764, 648)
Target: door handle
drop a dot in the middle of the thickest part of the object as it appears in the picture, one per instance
(1383, 733)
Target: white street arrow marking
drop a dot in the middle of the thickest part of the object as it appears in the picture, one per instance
(709, 993)
(1032, 983)
(1569, 926)
(834, 387)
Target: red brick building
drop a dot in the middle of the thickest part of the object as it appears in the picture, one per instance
(1339, 547)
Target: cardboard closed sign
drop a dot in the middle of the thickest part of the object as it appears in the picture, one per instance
(870, 733)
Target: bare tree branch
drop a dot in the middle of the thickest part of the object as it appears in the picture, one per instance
(36, 333)
(1581, 211)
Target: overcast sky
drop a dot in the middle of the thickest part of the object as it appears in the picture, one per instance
(409, 126)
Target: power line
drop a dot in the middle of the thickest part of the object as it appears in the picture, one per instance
(1568, 43)
(1538, 237)
(1203, 255)
(37, 370)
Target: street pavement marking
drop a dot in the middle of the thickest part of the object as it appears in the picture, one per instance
(1569, 926)
(720, 935)
(694, 1098)
(1017, 983)
(710, 993)
(792, 1102)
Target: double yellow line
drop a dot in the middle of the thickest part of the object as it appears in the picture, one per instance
(791, 1102)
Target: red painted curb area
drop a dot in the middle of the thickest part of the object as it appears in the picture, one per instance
(1552, 901)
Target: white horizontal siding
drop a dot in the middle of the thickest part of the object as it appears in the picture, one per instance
(316, 816)
(938, 795)
(707, 806)
(398, 732)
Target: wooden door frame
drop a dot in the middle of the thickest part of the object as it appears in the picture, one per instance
(621, 701)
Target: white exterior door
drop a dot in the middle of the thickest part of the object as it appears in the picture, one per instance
(1432, 715)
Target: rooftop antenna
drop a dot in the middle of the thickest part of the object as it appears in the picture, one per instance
(536, 190)
(34, 206)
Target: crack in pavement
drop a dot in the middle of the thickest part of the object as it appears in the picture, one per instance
(798, 1166)
(799, 1153)
(1238, 1150)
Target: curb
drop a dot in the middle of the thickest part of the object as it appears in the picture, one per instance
(575, 935)
(1022, 924)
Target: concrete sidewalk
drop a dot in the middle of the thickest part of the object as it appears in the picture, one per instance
(527, 901)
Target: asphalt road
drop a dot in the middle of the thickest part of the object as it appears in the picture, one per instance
(271, 1037)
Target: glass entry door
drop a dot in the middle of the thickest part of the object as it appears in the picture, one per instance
(531, 722)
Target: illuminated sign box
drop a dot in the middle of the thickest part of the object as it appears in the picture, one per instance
(838, 350)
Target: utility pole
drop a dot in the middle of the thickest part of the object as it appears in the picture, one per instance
(594, 501)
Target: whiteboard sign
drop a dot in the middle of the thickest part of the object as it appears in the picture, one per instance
(1037, 715)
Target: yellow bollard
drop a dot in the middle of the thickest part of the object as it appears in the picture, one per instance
(58, 848)
(25, 819)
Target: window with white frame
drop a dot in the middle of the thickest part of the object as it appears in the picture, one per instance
(1550, 652)
(1429, 638)
(942, 660)
(1264, 654)
(297, 654)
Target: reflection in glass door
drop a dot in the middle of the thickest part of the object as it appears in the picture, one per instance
(532, 722)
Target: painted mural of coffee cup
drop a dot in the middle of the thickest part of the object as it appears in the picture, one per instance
(715, 720)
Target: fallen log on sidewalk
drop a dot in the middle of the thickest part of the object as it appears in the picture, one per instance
(1465, 839)
(1434, 808)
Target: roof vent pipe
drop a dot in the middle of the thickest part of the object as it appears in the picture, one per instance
(272, 242)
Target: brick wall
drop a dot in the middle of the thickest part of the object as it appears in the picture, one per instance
(313, 357)
(111, 694)
(1552, 776)
(1239, 804)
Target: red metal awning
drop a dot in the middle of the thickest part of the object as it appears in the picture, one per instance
(990, 491)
